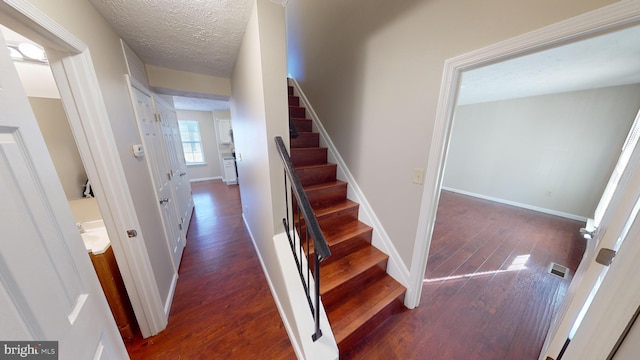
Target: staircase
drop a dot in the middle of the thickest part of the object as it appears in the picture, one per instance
(356, 291)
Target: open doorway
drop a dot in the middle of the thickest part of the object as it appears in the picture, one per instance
(207, 138)
(450, 109)
(37, 79)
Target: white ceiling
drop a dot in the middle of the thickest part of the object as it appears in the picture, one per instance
(607, 60)
(201, 36)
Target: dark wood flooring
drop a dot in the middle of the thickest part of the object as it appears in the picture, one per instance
(222, 308)
(487, 294)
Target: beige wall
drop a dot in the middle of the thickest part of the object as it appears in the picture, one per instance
(259, 111)
(82, 20)
(56, 131)
(372, 71)
(554, 152)
(209, 135)
(174, 82)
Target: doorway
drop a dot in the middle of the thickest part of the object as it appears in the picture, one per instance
(36, 77)
(591, 24)
(75, 76)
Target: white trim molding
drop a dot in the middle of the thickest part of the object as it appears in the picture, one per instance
(301, 327)
(617, 15)
(206, 179)
(381, 240)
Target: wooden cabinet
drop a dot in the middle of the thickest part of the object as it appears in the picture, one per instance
(113, 287)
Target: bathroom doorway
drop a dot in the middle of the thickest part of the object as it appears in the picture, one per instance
(37, 79)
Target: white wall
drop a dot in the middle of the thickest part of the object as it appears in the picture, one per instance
(209, 132)
(372, 71)
(56, 131)
(554, 152)
(259, 110)
(81, 19)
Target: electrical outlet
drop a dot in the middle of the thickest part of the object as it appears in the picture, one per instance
(418, 176)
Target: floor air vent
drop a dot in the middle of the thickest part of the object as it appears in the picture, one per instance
(558, 270)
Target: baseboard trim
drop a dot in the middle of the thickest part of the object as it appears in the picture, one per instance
(172, 291)
(381, 240)
(206, 179)
(285, 320)
(517, 204)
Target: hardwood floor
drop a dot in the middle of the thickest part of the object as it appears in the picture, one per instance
(222, 308)
(487, 294)
(478, 301)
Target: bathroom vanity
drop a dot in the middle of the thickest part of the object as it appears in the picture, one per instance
(115, 292)
(96, 240)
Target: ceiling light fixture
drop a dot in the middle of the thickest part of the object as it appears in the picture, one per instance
(15, 54)
(32, 51)
(27, 52)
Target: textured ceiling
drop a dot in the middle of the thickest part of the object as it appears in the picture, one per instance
(201, 36)
(606, 60)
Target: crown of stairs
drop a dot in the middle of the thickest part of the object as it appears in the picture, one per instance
(357, 293)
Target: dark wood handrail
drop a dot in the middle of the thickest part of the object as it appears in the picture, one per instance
(312, 232)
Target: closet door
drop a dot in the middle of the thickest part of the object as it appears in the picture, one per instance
(151, 132)
(177, 163)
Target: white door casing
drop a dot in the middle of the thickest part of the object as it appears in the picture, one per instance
(150, 129)
(48, 288)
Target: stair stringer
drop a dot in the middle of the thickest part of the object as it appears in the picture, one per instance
(380, 239)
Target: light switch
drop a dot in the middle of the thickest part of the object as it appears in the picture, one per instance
(418, 176)
(138, 150)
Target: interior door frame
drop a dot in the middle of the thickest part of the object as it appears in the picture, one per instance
(610, 17)
(73, 70)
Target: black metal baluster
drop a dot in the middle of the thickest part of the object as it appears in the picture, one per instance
(311, 232)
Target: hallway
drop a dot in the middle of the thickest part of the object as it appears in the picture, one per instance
(481, 300)
(222, 308)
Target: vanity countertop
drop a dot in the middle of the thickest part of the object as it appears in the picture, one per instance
(95, 236)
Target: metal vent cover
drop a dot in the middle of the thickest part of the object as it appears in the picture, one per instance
(558, 270)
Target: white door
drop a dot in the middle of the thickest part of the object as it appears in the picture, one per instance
(160, 170)
(630, 346)
(48, 287)
(617, 217)
(625, 155)
(177, 163)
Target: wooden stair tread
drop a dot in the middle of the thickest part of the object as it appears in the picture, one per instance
(324, 185)
(312, 166)
(354, 312)
(340, 271)
(309, 148)
(334, 207)
(339, 231)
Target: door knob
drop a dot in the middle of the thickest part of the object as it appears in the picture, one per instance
(164, 201)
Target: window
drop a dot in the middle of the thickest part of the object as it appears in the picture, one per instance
(191, 142)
